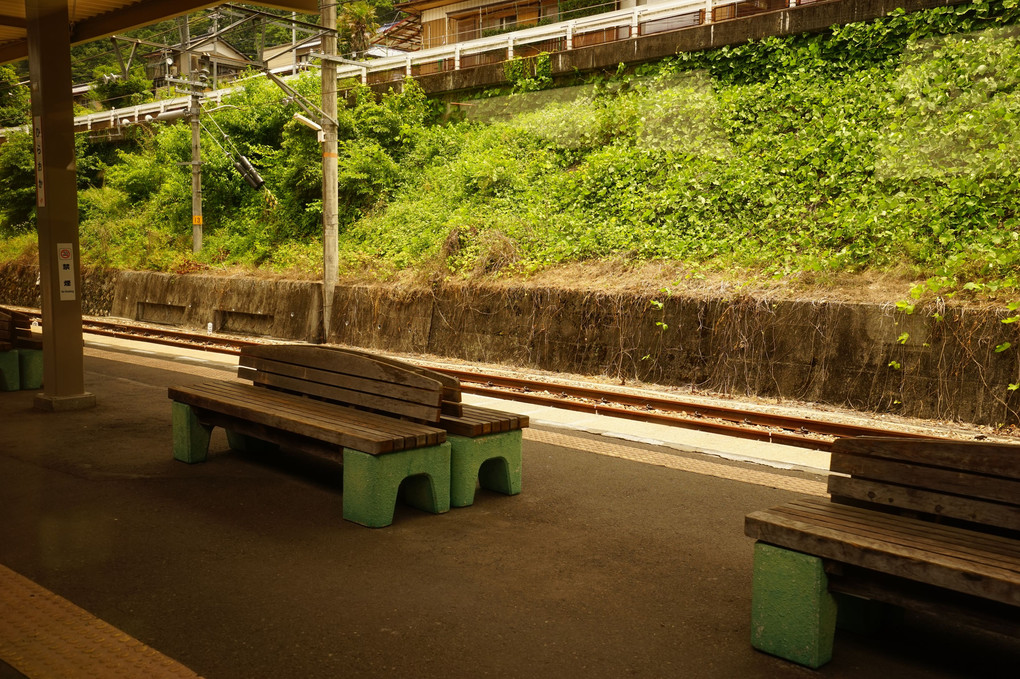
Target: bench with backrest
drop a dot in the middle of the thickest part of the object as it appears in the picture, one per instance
(20, 352)
(927, 524)
(485, 444)
(379, 420)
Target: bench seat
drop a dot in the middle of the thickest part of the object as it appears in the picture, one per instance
(958, 559)
(332, 424)
(350, 410)
(929, 524)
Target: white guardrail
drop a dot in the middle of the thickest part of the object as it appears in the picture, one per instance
(632, 18)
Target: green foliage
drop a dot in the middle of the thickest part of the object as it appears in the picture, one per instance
(575, 9)
(14, 99)
(111, 89)
(17, 184)
(528, 74)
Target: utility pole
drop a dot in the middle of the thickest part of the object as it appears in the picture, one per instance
(196, 137)
(196, 170)
(330, 224)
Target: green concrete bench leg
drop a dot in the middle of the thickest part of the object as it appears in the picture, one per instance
(191, 437)
(372, 482)
(10, 373)
(30, 365)
(249, 444)
(494, 461)
(793, 615)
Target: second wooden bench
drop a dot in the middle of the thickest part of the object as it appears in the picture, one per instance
(348, 409)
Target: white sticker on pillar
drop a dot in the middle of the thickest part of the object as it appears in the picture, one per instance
(65, 271)
(40, 188)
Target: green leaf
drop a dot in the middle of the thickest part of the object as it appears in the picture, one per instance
(902, 339)
(1002, 347)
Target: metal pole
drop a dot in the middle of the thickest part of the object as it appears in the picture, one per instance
(330, 224)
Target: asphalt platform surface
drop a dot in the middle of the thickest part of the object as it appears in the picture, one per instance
(242, 567)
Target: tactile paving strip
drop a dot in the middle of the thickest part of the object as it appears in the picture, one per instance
(687, 464)
(46, 637)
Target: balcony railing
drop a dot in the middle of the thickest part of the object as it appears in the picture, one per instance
(597, 29)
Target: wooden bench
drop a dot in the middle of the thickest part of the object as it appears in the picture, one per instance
(21, 364)
(354, 410)
(485, 444)
(926, 524)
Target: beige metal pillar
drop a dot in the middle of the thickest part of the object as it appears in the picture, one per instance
(49, 53)
(330, 223)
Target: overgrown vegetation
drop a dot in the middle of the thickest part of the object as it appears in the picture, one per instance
(890, 146)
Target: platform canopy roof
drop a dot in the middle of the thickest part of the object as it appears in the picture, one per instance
(93, 19)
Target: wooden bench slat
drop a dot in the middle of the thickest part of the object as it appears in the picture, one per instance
(274, 415)
(239, 400)
(325, 359)
(946, 540)
(774, 527)
(917, 533)
(451, 385)
(897, 497)
(326, 411)
(416, 411)
(387, 391)
(994, 459)
(972, 485)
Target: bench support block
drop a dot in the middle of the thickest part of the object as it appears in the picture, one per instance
(30, 365)
(492, 461)
(10, 374)
(191, 437)
(793, 615)
(372, 482)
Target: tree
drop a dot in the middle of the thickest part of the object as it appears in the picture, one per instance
(112, 90)
(356, 24)
(14, 99)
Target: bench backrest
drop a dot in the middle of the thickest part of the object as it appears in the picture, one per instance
(451, 385)
(345, 378)
(7, 331)
(970, 481)
(17, 330)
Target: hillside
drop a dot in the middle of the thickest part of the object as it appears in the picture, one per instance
(880, 156)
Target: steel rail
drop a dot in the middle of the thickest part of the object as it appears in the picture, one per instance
(690, 408)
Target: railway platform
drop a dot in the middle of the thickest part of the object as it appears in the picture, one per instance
(623, 556)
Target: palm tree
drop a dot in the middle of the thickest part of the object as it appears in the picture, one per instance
(356, 23)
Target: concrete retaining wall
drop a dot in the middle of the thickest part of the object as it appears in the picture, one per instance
(933, 363)
(245, 306)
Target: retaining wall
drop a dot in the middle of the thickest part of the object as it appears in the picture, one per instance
(933, 363)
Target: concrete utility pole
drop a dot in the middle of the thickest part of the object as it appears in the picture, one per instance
(196, 171)
(196, 138)
(330, 225)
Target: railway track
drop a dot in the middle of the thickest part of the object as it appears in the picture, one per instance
(803, 432)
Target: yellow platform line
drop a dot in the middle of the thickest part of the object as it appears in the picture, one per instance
(44, 636)
(687, 464)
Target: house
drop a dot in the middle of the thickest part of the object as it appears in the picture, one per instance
(446, 22)
(218, 57)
